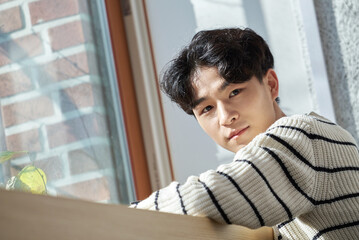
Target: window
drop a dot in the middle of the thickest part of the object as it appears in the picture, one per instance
(60, 99)
(290, 29)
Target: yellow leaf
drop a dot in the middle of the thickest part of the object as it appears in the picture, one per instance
(31, 179)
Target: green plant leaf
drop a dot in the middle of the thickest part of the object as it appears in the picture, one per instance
(7, 155)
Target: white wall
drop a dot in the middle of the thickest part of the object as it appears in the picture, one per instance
(339, 30)
(173, 23)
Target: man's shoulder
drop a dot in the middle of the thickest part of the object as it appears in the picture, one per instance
(300, 119)
(307, 124)
(320, 118)
(295, 120)
(311, 124)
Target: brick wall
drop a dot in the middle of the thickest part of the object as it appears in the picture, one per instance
(52, 96)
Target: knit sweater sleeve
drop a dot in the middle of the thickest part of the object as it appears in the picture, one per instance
(267, 183)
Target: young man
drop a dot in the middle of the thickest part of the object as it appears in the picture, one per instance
(298, 174)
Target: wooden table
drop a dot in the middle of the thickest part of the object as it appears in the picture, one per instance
(28, 216)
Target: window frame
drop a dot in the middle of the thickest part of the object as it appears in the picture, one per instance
(135, 141)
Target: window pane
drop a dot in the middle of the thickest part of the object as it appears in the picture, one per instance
(59, 99)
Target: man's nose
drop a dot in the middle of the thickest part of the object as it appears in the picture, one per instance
(226, 114)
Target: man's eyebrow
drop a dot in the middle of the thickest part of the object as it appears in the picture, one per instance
(197, 102)
(224, 85)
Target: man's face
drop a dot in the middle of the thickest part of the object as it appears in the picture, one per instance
(233, 114)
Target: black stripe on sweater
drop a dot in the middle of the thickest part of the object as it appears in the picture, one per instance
(295, 185)
(156, 200)
(181, 200)
(215, 202)
(284, 223)
(261, 221)
(290, 216)
(320, 120)
(346, 225)
(304, 160)
(135, 203)
(316, 136)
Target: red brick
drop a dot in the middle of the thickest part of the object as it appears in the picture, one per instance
(92, 190)
(89, 159)
(82, 161)
(65, 68)
(28, 140)
(79, 32)
(46, 10)
(52, 167)
(14, 82)
(10, 20)
(27, 111)
(77, 97)
(20, 48)
(4, 1)
(86, 126)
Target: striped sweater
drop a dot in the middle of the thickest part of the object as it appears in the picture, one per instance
(300, 177)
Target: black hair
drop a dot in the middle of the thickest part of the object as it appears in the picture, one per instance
(238, 54)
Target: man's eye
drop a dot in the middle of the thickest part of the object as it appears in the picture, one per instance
(207, 109)
(234, 92)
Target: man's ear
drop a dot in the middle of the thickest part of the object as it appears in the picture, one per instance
(272, 83)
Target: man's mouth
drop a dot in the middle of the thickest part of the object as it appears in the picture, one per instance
(237, 133)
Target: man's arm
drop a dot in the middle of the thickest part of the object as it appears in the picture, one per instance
(266, 184)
